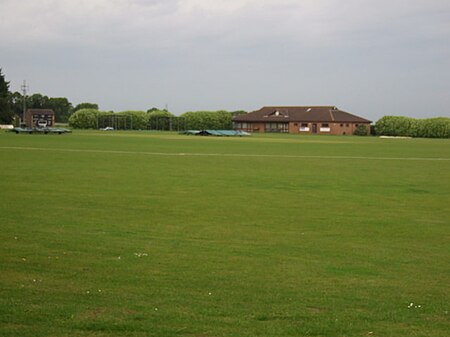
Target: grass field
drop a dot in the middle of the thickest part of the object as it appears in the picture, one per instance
(158, 234)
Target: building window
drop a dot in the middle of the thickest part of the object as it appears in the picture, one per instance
(276, 127)
(243, 126)
(324, 127)
(347, 125)
(304, 127)
(341, 125)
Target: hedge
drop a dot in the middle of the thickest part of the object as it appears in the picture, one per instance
(84, 119)
(412, 127)
(124, 120)
(208, 120)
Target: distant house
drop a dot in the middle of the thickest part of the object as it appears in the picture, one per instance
(300, 119)
(39, 118)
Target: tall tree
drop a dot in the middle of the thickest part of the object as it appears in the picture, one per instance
(62, 108)
(37, 101)
(6, 114)
(238, 112)
(85, 106)
(60, 105)
(16, 100)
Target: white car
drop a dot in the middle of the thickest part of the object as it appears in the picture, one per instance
(108, 128)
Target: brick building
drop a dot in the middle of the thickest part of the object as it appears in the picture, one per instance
(39, 118)
(300, 119)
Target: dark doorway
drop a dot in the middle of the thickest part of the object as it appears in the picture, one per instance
(314, 128)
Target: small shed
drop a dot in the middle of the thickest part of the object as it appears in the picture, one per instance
(35, 118)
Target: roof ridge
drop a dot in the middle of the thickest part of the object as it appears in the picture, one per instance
(301, 113)
(299, 106)
(331, 115)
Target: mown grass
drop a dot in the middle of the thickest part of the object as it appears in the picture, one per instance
(105, 234)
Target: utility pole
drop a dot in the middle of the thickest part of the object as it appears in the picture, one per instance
(24, 88)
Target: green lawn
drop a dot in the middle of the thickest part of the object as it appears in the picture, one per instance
(158, 234)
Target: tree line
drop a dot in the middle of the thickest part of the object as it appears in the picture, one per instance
(88, 116)
(153, 119)
(60, 105)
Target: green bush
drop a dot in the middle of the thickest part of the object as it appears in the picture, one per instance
(393, 126)
(208, 120)
(362, 130)
(161, 120)
(410, 127)
(135, 119)
(84, 119)
(435, 128)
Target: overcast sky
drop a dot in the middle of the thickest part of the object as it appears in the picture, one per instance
(368, 57)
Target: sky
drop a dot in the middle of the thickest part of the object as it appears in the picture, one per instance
(368, 57)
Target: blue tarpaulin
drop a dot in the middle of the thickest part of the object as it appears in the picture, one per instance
(228, 133)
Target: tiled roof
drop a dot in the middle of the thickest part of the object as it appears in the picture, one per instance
(41, 111)
(300, 114)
